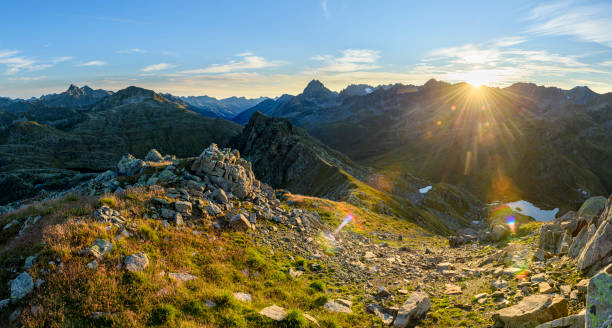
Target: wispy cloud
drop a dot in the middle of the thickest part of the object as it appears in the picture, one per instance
(326, 11)
(15, 63)
(157, 67)
(351, 60)
(247, 61)
(61, 59)
(501, 63)
(131, 51)
(93, 63)
(587, 22)
(28, 78)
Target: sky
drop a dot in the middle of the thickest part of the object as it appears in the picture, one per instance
(268, 48)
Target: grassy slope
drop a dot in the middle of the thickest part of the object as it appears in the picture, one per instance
(72, 294)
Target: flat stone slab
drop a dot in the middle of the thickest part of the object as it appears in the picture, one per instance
(338, 306)
(243, 297)
(182, 277)
(274, 312)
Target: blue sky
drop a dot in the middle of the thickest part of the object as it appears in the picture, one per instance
(267, 48)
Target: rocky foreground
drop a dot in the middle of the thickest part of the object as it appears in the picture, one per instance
(200, 242)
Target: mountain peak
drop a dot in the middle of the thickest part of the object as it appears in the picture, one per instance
(316, 89)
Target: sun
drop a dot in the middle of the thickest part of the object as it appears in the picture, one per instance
(478, 78)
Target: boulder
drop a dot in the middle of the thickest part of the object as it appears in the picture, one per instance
(239, 222)
(572, 321)
(154, 156)
(243, 297)
(274, 312)
(220, 196)
(550, 237)
(21, 286)
(592, 206)
(581, 240)
(339, 305)
(136, 262)
(415, 307)
(99, 248)
(380, 312)
(599, 300)
(213, 209)
(129, 165)
(499, 231)
(531, 311)
(182, 207)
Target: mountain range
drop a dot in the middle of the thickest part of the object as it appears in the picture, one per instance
(372, 206)
(524, 141)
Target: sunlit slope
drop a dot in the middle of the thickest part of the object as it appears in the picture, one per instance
(498, 143)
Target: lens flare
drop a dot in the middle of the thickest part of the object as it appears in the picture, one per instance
(328, 241)
(347, 219)
(511, 222)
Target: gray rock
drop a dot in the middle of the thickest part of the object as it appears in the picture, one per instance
(243, 297)
(129, 165)
(213, 209)
(338, 306)
(220, 196)
(380, 312)
(29, 262)
(167, 213)
(592, 206)
(599, 247)
(178, 219)
(550, 237)
(240, 222)
(154, 156)
(599, 300)
(4, 303)
(182, 277)
(21, 286)
(415, 308)
(182, 207)
(93, 265)
(136, 262)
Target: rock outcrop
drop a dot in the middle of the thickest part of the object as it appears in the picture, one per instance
(531, 311)
(285, 156)
(585, 237)
(225, 169)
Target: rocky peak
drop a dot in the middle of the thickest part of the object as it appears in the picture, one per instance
(73, 89)
(316, 90)
(285, 156)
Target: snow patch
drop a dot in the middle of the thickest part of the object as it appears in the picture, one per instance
(425, 190)
(368, 90)
(528, 209)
